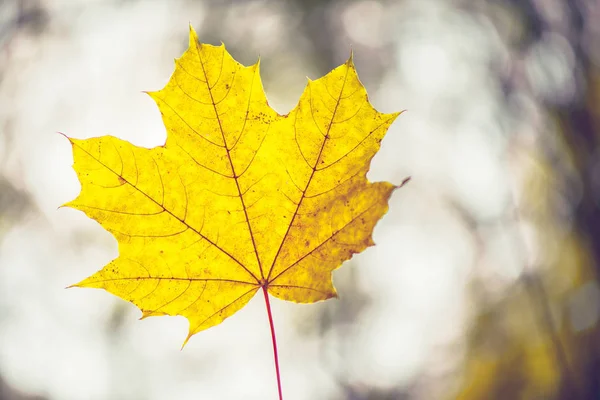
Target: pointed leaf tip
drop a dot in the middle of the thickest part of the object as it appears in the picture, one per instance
(350, 60)
(187, 339)
(193, 41)
(404, 182)
(65, 136)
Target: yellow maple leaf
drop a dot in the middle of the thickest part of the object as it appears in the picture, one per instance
(239, 198)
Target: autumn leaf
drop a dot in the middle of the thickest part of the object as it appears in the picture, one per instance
(239, 198)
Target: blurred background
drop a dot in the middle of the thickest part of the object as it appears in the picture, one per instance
(484, 281)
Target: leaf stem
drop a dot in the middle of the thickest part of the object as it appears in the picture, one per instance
(268, 304)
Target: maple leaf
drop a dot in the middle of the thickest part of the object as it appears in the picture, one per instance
(239, 198)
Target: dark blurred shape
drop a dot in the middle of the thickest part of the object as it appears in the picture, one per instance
(22, 14)
(13, 204)
(8, 393)
(510, 358)
(368, 393)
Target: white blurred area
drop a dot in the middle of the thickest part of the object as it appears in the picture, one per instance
(405, 305)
